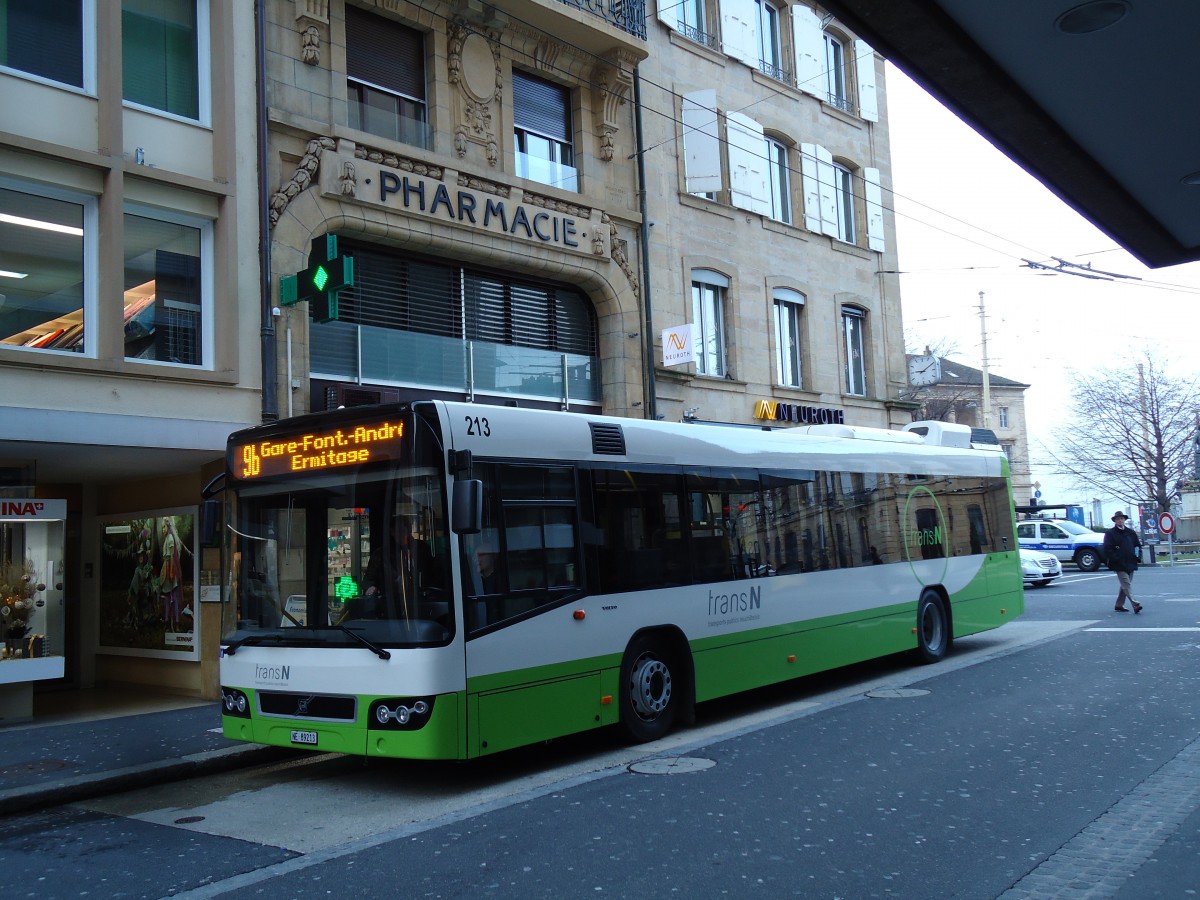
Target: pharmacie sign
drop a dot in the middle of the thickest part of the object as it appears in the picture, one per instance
(800, 415)
(32, 510)
(569, 228)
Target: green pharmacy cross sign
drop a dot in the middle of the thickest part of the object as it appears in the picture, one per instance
(327, 273)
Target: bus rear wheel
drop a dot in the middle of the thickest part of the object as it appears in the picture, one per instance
(649, 697)
(933, 628)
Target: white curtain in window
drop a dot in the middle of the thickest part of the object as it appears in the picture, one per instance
(874, 198)
(747, 165)
(864, 66)
(701, 143)
(809, 46)
(820, 192)
(739, 30)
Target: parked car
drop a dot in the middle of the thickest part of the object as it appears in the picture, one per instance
(1067, 540)
(1039, 568)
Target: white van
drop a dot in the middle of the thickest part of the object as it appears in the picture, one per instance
(1067, 540)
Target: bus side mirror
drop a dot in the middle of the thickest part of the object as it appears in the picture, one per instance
(210, 523)
(467, 507)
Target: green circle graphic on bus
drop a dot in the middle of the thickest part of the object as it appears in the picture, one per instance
(925, 531)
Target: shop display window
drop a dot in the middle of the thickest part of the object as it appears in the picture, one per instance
(32, 548)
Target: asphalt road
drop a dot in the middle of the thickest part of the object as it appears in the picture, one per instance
(1056, 757)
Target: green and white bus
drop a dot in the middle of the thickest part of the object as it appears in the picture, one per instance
(449, 580)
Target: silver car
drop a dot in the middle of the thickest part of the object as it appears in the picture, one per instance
(1039, 568)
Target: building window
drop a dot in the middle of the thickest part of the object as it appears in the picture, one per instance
(835, 72)
(770, 55)
(414, 320)
(43, 39)
(162, 45)
(779, 175)
(385, 78)
(843, 191)
(789, 305)
(1004, 417)
(542, 132)
(853, 322)
(708, 321)
(42, 269)
(693, 21)
(165, 288)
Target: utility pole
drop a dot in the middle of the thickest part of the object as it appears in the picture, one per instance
(987, 387)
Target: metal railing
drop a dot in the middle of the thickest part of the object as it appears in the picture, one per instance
(628, 15)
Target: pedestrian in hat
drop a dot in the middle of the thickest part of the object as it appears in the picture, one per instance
(1122, 549)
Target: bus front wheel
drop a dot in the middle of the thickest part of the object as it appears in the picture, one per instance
(933, 628)
(649, 698)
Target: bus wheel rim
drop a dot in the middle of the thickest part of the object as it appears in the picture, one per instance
(650, 687)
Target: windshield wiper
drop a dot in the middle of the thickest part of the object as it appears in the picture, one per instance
(251, 639)
(374, 648)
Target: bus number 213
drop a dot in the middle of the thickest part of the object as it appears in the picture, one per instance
(478, 426)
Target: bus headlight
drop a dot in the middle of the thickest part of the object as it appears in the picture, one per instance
(400, 713)
(235, 703)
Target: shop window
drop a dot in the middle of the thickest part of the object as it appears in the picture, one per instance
(165, 289)
(43, 39)
(164, 54)
(542, 132)
(42, 269)
(385, 78)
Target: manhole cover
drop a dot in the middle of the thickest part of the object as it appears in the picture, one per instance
(189, 820)
(672, 765)
(896, 693)
(34, 767)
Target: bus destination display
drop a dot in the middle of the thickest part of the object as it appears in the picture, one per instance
(315, 451)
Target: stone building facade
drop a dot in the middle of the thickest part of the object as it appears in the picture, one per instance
(129, 330)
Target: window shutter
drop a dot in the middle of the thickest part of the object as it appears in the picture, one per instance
(747, 164)
(670, 12)
(739, 30)
(809, 44)
(385, 53)
(810, 176)
(864, 66)
(827, 204)
(874, 197)
(701, 143)
(541, 106)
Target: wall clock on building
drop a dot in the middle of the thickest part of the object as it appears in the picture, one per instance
(924, 370)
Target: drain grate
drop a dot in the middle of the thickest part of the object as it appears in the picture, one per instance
(896, 693)
(672, 765)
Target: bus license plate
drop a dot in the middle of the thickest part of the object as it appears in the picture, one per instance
(304, 737)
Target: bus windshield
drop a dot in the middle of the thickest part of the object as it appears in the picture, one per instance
(358, 555)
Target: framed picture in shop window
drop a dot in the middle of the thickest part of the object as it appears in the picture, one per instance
(149, 569)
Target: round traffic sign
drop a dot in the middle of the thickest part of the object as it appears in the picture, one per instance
(1037, 494)
(1166, 523)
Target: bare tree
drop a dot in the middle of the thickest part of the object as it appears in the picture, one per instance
(1132, 431)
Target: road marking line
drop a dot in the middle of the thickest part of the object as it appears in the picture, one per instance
(1143, 629)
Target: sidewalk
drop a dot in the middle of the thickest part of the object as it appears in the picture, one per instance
(70, 758)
